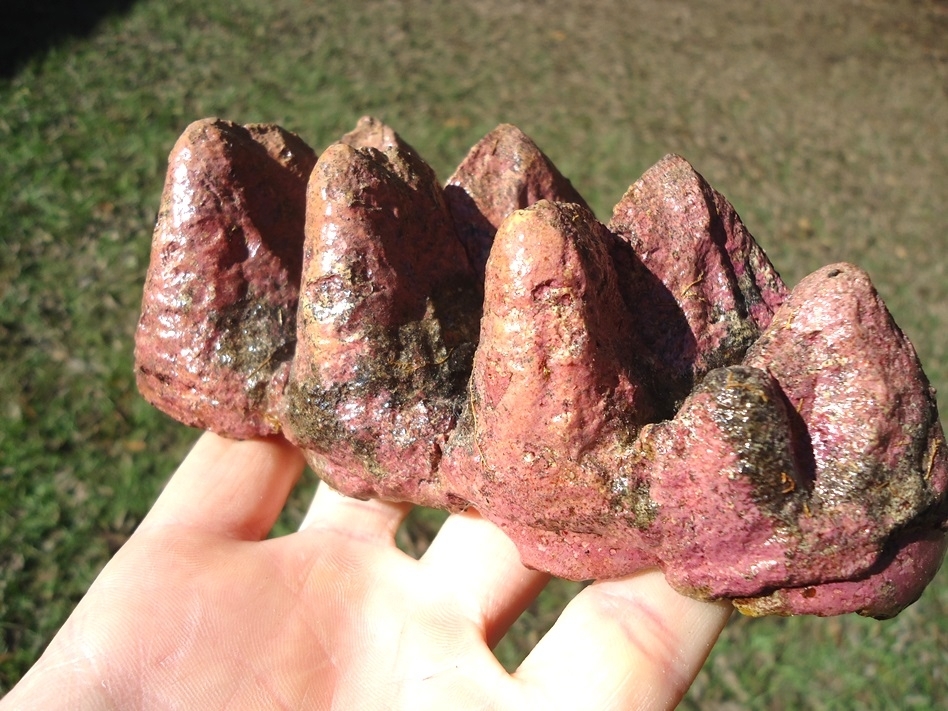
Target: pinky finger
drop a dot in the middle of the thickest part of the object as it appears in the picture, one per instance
(632, 643)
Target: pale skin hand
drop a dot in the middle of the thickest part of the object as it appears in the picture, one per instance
(199, 611)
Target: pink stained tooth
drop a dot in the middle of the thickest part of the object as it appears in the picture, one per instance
(647, 394)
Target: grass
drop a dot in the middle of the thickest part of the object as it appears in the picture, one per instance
(825, 123)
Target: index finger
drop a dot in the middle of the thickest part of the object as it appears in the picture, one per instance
(235, 488)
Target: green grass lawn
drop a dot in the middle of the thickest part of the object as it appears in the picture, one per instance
(826, 124)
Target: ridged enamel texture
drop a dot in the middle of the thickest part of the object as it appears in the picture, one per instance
(705, 289)
(504, 172)
(555, 396)
(216, 334)
(644, 394)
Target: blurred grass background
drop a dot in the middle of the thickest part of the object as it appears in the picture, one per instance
(824, 121)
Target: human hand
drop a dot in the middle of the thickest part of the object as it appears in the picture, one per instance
(200, 610)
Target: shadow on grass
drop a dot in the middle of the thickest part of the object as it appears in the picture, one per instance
(31, 27)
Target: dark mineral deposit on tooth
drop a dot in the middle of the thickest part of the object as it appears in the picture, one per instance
(615, 398)
(387, 324)
(869, 433)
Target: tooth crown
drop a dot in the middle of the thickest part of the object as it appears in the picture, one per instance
(644, 394)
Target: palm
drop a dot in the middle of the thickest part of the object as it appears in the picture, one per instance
(196, 611)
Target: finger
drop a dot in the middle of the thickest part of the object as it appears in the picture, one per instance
(632, 643)
(237, 489)
(482, 568)
(371, 520)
